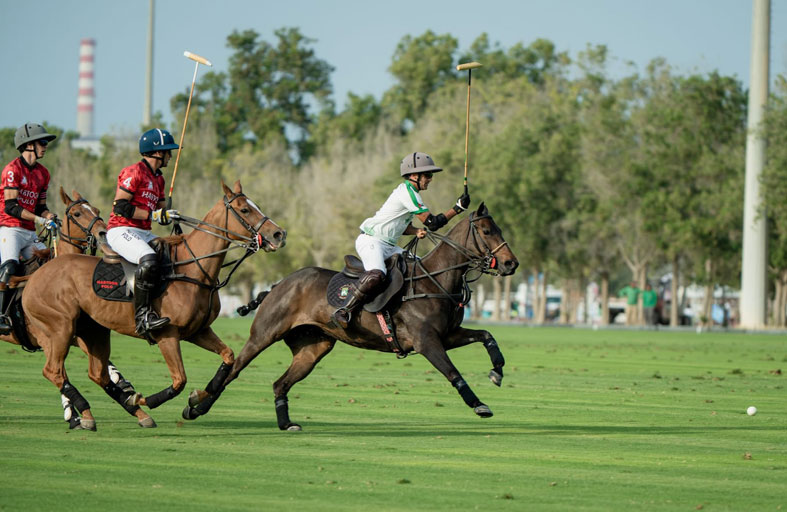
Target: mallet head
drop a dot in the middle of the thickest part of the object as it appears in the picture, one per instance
(468, 65)
(197, 58)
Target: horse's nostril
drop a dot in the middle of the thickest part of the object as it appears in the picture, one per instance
(278, 235)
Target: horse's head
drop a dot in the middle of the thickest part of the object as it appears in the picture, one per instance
(485, 238)
(83, 225)
(248, 221)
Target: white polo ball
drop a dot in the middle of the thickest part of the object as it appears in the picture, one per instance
(751, 411)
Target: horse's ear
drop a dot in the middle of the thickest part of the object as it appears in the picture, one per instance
(482, 209)
(227, 191)
(64, 197)
(77, 195)
(237, 187)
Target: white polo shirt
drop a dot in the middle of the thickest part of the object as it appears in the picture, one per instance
(390, 221)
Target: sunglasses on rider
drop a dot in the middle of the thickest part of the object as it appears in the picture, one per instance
(428, 174)
(43, 142)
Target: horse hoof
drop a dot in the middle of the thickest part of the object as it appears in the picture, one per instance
(190, 413)
(495, 377)
(194, 398)
(133, 400)
(483, 411)
(86, 425)
(147, 423)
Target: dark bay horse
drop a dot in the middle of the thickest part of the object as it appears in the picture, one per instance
(190, 300)
(80, 230)
(297, 311)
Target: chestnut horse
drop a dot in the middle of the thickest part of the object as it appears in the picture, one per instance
(427, 318)
(190, 300)
(79, 233)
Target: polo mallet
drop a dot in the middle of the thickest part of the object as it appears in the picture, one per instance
(197, 61)
(469, 66)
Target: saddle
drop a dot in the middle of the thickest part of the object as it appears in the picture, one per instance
(113, 277)
(339, 285)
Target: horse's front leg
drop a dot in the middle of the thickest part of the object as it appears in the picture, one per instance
(201, 401)
(460, 337)
(170, 350)
(434, 352)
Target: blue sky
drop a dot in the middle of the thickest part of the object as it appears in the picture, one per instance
(39, 42)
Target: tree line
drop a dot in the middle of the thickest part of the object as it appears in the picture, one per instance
(591, 177)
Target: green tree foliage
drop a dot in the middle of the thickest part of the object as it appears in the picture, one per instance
(270, 90)
(421, 65)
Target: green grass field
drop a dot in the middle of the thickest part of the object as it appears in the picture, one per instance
(585, 420)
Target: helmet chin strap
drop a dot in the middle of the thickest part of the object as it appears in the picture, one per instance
(416, 182)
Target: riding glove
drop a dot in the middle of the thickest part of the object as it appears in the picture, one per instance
(164, 217)
(462, 203)
(50, 224)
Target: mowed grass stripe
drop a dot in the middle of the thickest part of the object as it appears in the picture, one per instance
(587, 420)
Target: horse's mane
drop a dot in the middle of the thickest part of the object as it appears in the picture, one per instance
(173, 239)
(464, 222)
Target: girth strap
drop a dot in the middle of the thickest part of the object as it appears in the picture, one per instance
(389, 334)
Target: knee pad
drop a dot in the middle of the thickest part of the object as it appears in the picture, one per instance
(7, 269)
(371, 280)
(148, 270)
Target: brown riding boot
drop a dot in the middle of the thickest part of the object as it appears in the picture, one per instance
(368, 287)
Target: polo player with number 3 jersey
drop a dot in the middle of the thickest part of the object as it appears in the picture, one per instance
(380, 234)
(139, 199)
(22, 205)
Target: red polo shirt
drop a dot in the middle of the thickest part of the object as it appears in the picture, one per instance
(147, 189)
(31, 182)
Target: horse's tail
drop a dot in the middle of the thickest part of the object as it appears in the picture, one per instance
(254, 304)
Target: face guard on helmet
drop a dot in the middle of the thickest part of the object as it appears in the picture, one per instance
(156, 139)
(416, 163)
(31, 132)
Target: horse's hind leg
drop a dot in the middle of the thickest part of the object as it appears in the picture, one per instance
(74, 404)
(98, 353)
(308, 346)
(460, 337)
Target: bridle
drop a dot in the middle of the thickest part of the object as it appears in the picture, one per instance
(87, 245)
(250, 244)
(482, 259)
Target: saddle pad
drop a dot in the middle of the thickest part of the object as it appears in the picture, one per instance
(339, 291)
(109, 282)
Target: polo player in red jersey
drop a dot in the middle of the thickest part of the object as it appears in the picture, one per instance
(139, 199)
(22, 205)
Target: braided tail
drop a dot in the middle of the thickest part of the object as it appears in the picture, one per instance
(254, 304)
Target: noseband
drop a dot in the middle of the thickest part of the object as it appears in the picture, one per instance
(87, 245)
(256, 240)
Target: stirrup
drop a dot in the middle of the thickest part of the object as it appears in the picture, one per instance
(150, 321)
(341, 317)
(5, 324)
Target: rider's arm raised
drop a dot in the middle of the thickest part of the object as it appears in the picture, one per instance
(435, 222)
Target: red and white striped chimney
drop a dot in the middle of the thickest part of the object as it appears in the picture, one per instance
(87, 48)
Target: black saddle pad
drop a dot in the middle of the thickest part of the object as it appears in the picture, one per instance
(109, 282)
(339, 288)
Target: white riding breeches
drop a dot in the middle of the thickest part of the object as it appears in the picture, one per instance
(131, 243)
(18, 243)
(374, 252)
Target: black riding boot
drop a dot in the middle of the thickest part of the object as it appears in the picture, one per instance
(368, 285)
(5, 319)
(7, 270)
(145, 281)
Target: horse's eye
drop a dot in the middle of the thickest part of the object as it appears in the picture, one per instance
(486, 232)
(77, 214)
(244, 211)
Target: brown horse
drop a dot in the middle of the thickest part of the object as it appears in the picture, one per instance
(79, 233)
(190, 301)
(426, 319)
